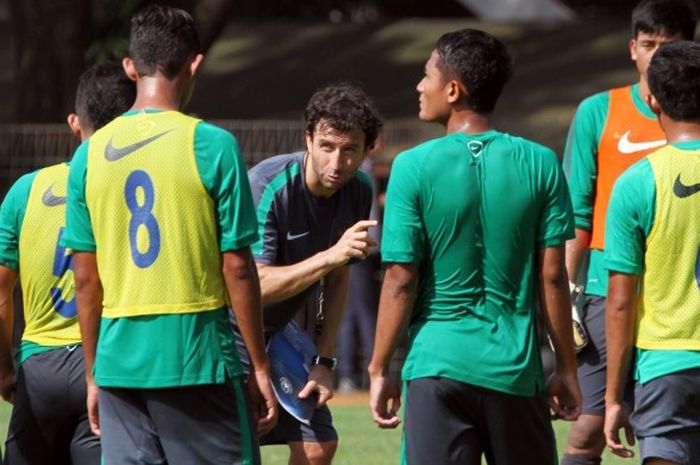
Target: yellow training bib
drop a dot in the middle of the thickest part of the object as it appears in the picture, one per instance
(669, 305)
(46, 268)
(154, 222)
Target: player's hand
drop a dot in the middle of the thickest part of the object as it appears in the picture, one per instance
(93, 394)
(384, 401)
(354, 243)
(320, 381)
(7, 385)
(263, 401)
(616, 417)
(564, 396)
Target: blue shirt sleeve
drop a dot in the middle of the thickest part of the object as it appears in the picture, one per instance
(402, 217)
(11, 217)
(630, 218)
(222, 170)
(78, 234)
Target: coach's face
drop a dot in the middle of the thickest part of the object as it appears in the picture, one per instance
(333, 158)
(434, 90)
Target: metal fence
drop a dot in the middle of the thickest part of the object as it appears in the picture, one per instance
(26, 147)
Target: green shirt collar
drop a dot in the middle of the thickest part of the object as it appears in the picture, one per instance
(688, 145)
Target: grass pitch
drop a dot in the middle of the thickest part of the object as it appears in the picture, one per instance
(360, 441)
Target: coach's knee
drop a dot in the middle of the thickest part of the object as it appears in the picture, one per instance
(586, 435)
(312, 453)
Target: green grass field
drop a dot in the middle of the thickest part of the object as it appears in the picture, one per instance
(360, 441)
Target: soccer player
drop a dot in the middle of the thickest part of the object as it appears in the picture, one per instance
(160, 219)
(312, 216)
(49, 416)
(474, 222)
(610, 132)
(652, 250)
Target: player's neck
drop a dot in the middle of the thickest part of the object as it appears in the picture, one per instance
(468, 122)
(158, 93)
(680, 131)
(643, 88)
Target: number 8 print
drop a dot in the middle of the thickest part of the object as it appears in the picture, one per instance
(141, 215)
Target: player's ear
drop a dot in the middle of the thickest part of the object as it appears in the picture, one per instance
(309, 137)
(74, 125)
(130, 69)
(633, 49)
(195, 64)
(455, 91)
(654, 105)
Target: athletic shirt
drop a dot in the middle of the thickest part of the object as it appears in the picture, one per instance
(294, 224)
(174, 347)
(610, 132)
(472, 212)
(651, 232)
(32, 224)
(165, 213)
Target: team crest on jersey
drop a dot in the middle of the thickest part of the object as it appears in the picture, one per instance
(475, 147)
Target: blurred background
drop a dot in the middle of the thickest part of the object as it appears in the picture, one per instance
(264, 58)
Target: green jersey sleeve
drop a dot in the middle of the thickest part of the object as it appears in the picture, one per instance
(630, 217)
(556, 220)
(581, 155)
(402, 219)
(11, 217)
(223, 173)
(78, 234)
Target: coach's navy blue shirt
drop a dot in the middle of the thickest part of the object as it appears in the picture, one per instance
(294, 224)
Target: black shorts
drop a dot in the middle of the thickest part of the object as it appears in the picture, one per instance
(205, 425)
(452, 423)
(666, 418)
(49, 416)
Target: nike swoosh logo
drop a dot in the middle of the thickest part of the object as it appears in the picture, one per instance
(51, 200)
(682, 191)
(291, 237)
(113, 153)
(624, 145)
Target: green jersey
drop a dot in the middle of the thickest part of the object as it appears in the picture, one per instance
(169, 350)
(472, 211)
(631, 216)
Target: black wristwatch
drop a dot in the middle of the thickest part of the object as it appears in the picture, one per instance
(328, 362)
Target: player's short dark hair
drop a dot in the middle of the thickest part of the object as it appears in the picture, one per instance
(479, 61)
(674, 80)
(343, 107)
(104, 92)
(162, 39)
(664, 17)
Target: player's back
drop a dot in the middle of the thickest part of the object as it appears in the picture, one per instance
(153, 220)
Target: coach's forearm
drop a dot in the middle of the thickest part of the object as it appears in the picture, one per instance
(88, 295)
(620, 315)
(243, 288)
(395, 306)
(335, 295)
(278, 283)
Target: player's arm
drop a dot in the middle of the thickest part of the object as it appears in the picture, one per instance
(335, 292)
(395, 305)
(565, 396)
(8, 279)
(620, 316)
(576, 250)
(243, 289)
(279, 283)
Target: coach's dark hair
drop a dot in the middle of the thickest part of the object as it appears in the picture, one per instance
(343, 107)
(162, 40)
(674, 80)
(479, 61)
(664, 17)
(104, 92)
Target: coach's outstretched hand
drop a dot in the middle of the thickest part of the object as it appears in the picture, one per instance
(263, 401)
(354, 243)
(616, 417)
(564, 396)
(384, 401)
